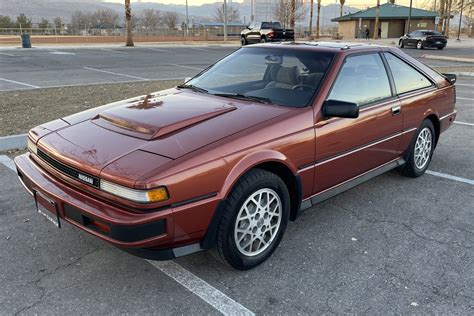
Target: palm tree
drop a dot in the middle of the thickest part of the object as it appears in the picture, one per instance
(317, 18)
(311, 18)
(342, 5)
(128, 22)
(376, 27)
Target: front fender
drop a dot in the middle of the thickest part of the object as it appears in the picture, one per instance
(250, 161)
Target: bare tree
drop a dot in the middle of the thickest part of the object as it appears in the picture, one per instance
(283, 12)
(150, 19)
(170, 19)
(311, 17)
(128, 23)
(44, 24)
(104, 17)
(233, 15)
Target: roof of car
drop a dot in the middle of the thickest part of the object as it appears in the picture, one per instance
(337, 46)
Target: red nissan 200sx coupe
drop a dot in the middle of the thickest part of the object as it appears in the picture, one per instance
(224, 161)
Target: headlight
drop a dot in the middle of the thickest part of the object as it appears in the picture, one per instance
(32, 147)
(142, 196)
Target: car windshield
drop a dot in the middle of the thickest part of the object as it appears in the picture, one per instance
(271, 25)
(282, 76)
(432, 33)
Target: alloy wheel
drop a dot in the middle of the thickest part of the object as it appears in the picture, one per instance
(423, 148)
(258, 222)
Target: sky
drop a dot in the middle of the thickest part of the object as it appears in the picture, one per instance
(356, 3)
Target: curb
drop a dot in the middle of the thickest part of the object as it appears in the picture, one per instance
(12, 142)
(458, 59)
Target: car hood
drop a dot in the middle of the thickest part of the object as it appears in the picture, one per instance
(169, 124)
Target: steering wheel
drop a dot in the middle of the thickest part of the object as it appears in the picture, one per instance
(301, 87)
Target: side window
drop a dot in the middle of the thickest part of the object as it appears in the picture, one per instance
(362, 80)
(405, 76)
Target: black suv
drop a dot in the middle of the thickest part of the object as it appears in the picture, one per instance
(422, 39)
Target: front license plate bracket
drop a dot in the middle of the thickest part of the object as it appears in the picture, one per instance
(50, 217)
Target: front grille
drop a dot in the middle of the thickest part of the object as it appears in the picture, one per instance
(71, 172)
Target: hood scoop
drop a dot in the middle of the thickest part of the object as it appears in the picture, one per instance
(153, 117)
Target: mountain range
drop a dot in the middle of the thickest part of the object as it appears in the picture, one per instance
(49, 9)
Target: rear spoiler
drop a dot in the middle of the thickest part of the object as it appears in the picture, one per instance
(450, 77)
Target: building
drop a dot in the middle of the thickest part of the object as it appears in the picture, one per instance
(393, 19)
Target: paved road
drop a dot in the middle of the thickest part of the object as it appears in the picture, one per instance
(47, 67)
(391, 245)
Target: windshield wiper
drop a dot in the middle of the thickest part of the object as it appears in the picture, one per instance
(192, 87)
(243, 97)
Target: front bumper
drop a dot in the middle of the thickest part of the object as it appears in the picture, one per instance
(163, 234)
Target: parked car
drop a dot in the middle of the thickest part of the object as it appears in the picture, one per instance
(261, 32)
(224, 161)
(423, 39)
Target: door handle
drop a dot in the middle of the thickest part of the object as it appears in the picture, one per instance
(396, 110)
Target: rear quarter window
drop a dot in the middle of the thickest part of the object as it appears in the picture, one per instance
(405, 76)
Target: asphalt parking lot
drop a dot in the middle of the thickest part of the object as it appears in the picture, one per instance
(58, 66)
(391, 245)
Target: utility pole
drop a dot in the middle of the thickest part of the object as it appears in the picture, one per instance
(225, 20)
(128, 22)
(460, 20)
(292, 14)
(409, 16)
(252, 11)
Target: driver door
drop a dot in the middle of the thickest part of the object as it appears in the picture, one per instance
(345, 147)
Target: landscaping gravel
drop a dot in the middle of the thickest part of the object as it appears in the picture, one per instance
(21, 110)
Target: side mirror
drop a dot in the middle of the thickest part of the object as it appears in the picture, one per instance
(335, 108)
(451, 78)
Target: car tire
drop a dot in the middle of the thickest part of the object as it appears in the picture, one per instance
(421, 150)
(419, 45)
(243, 41)
(244, 226)
(401, 44)
(440, 48)
(263, 40)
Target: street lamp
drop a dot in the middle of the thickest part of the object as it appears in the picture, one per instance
(409, 16)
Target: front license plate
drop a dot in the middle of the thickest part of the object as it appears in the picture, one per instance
(47, 208)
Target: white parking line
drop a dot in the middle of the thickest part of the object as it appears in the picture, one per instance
(20, 83)
(113, 51)
(176, 65)
(10, 55)
(465, 84)
(450, 177)
(5, 160)
(460, 98)
(201, 288)
(463, 123)
(202, 49)
(116, 73)
(160, 50)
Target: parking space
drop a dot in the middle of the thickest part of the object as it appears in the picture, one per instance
(47, 67)
(391, 245)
